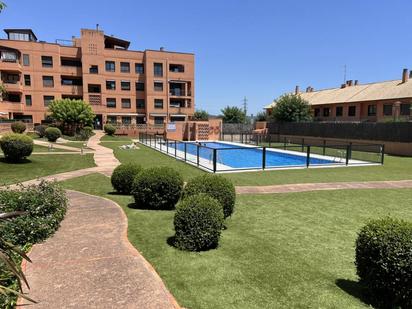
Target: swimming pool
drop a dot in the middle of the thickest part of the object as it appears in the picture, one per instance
(237, 156)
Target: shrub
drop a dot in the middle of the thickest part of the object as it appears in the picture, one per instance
(52, 134)
(45, 205)
(157, 188)
(18, 127)
(123, 177)
(40, 130)
(198, 222)
(217, 187)
(16, 146)
(109, 129)
(384, 261)
(85, 133)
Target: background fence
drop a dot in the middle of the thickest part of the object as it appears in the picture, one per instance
(393, 132)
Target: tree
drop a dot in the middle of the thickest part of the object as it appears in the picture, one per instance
(2, 6)
(72, 114)
(233, 114)
(201, 115)
(261, 116)
(291, 108)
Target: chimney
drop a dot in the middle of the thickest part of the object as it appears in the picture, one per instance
(308, 89)
(297, 89)
(405, 75)
(350, 82)
(311, 89)
(343, 86)
(410, 74)
(162, 48)
(356, 82)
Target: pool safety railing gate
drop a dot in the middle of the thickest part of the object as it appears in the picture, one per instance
(342, 154)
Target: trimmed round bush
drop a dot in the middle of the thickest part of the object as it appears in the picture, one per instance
(18, 127)
(109, 129)
(198, 223)
(16, 146)
(384, 261)
(217, 187)
(157, 188)
(123, 177)
(52, 134)
(40, 130)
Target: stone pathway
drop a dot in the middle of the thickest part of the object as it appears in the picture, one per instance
(302, 187)
(89, 263)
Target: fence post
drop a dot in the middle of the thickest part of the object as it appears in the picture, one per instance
(214, 160)
(284, 142)
(257, 139)
(270, 139)
(175, 149)
(150, 140)
(308, 156)
(160, 145)
(167, 146)
(303, 143)
(185, 150)
(324, 147)
(263, 158)
(348, 149)
(382, 152)
(231, 137)
(197, 154)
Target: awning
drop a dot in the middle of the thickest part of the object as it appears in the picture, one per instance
(125, 114)
(158, 114)
(178, 115)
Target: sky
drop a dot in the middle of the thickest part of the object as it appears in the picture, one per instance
(255, 49)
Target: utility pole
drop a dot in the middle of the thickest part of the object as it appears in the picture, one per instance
(344, 74)
(245, 106)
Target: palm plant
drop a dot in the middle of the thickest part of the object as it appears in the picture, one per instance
(8, 252)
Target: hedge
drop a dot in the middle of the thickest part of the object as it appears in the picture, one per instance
(16, 146)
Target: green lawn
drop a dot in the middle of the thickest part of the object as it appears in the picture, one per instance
(395, 168)
(42, 165)
(279, 251)
(115, 138)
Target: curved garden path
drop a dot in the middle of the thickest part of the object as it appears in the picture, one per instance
(89, 263)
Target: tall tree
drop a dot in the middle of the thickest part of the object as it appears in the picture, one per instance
(291, 108)
(201, 114)
(233, 114)
(72, 114)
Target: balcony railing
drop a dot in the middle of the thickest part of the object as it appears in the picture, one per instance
(177, 92)
(95, 99)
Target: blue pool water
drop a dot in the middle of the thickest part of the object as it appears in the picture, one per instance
(246, 157)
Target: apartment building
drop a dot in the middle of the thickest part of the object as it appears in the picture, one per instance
(352, 101)
(121, 85)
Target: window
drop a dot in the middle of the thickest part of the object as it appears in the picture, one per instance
(110, 85)
(93, 88)
(27, 80)
(158, 86)
(158, 120)
(47, 99)
(28, 100)
(47, 61)
(26, 59)
(140, 120)
(125, 67)
(158, 69)
(177, 68)
(13, 97)
(48, 81)
(126, 103)
(139, 68)
(125, 85)
(71, 81)
(94, 69)
(352, 111)
(8, 56)
(387, 109)
(112, 119)
(126, 120)
(339, 111)
(326, 112)
(405, 109)
(158, 103)
(317, 112)
(372, 110)
(110, 66)
(139, 86)
(71, 62)
(177, 103)
(140, 103)
(111, 102)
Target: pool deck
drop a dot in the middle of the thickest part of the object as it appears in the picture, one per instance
(207, 164)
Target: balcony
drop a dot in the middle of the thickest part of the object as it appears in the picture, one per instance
(71, 70)
(10, 65)
(177, 92)
(13, 86)
(75, 90)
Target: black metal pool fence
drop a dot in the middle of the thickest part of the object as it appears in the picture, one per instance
(340, 154)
